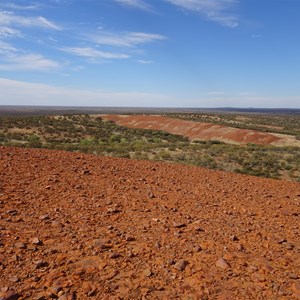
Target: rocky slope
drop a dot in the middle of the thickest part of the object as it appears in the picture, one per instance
(76, 226)
(202, 131)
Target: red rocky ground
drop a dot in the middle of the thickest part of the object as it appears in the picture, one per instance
(76, 226)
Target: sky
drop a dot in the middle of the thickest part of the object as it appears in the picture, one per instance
(150, 53)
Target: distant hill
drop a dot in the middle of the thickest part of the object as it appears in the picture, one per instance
(52, 110)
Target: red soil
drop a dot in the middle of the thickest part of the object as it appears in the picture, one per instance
(193, 130)
(76, 226)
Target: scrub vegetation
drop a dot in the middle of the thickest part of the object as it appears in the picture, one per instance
(91, 134)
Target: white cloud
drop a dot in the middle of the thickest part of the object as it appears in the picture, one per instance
(14, 6)
(139, 4)
(6, 32)
(93, 53)
(214, 10)
(144, 62)
(6, 48)
(47, 23)
(24, 93)
(27, 62)
(11, 19)
(129, 39)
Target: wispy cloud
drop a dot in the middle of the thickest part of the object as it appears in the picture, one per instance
(6, 48)
(11, 19)
(214, 10)
(13, 91)
(220, 11)
(6, 32)
(93, 53)
(14, 58)
(125, 39)
(139, 4)
(25, 62)
(144, 62)
(13, 6)
(46, 23)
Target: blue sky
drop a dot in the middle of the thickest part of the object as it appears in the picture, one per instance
(169, 53)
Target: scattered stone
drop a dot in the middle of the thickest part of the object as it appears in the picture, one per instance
(44, 217)
(199, 229)
(240, 247)
(293, 276)
(10, 295)
(14, 279)
(181, 265)
(129, 238)
(289, 246)
(40, 264)
(197, 249)
(179, 225)
(258, 277)
(112, 210)
(79, 271)
(157, 245)
(114, 255)
(281, 241)
(20, 245)
(131, 254)
(102, 244)
(36, 241)
(147, 272)
(60, 293)
(222, 263)
(150, 195)
(67, 296)
(234, 238)
(12, 212)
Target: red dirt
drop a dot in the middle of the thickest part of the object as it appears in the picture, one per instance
(75, 226)
(194, 130)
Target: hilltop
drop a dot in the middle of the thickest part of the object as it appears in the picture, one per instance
(79, 226)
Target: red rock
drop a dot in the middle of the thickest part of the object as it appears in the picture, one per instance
(222, 263)
(10, 295)
(79, 235)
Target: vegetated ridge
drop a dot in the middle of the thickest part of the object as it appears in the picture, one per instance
(78, 226)
(200, 131)
(92, 134)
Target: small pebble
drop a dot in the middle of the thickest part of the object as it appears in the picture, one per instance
(181, 265)
(222, 263)
(147, 272)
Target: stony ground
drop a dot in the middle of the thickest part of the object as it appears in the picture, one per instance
(76, 226)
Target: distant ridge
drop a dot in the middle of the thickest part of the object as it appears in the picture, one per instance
(21, 110)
